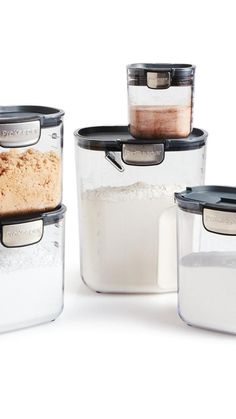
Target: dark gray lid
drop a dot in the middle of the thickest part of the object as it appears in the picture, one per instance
(195, 199)
(48, 217)
(26, 230)
(178, 74)
(111, 138)
(16, 114)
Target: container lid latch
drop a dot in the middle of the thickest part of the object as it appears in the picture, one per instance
(158, 80)
(143, 154)
(22, 234)
(219, 221)
(20, 134)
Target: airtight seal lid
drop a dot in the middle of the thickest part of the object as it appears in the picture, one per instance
(216, 204)
(21, 126)
(160, 76)
(112, 138)
(25, 113)
(25, 230)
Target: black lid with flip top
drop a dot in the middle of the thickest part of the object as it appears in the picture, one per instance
(28, 229)
(216, 197)
(21, 126)
(160, 76)
(111, 138)
(216, 204)
(48, 217)
(25, 113)
(134, 151)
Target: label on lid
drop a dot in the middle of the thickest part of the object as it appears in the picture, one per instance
(19, 134)
(22, 234)
(221, 222)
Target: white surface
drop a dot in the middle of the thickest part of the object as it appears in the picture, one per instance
(116, 356)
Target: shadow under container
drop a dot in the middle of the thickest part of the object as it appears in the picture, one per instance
(207, 257)
(160, 100)
(31, 142)
(31, 269)
(127, 214)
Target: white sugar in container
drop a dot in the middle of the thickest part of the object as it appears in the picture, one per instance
(31, 269)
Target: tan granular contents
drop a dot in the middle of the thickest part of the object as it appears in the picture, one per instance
(29, 181)
(160, 121)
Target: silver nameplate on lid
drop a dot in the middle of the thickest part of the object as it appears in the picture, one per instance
(143, 154)
(19, 134)
(221, 222)
(160, 80)
(22, 234)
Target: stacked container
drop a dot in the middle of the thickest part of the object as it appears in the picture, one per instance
(127, 177)
(31, 216)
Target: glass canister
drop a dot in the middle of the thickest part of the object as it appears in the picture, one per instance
(207, 257)
(31, 141)
(31, 269)
(160, 100)
(127, 213)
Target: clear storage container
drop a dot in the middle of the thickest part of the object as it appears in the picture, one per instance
(31, 269)
(207, 257)
(31, 140)
(126, 206)
(160, 98)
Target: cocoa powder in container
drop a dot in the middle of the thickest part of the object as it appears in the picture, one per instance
(160, 121)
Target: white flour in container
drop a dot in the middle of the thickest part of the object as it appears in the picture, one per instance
(31, 284)
(129, 238)
(207, 290)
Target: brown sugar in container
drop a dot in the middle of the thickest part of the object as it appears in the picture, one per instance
(31, 141)
(160, 100)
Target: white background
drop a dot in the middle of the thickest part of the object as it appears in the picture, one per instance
(113, 357)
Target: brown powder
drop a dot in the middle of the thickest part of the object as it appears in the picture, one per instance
(160, 121)
(29, 181)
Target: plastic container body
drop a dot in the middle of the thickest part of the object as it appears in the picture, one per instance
(127, 219)
(31, 142)
(160, 102)
(31, 270)
(206, 271)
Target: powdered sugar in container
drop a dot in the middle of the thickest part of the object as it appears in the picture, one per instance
(31, 269)
(31, 141)
(207, 257)
(127, 214)
(160, 100)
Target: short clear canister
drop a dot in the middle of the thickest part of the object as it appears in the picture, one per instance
(160, 100)
(207, 257)
(31, 269)
(31, 141)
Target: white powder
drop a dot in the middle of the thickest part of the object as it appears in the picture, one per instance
(128, 237)
(31, 283)
(207, 290)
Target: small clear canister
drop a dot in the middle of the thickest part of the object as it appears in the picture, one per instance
(31, 269)
(160, 100)
(207, 257)
(31, 142)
